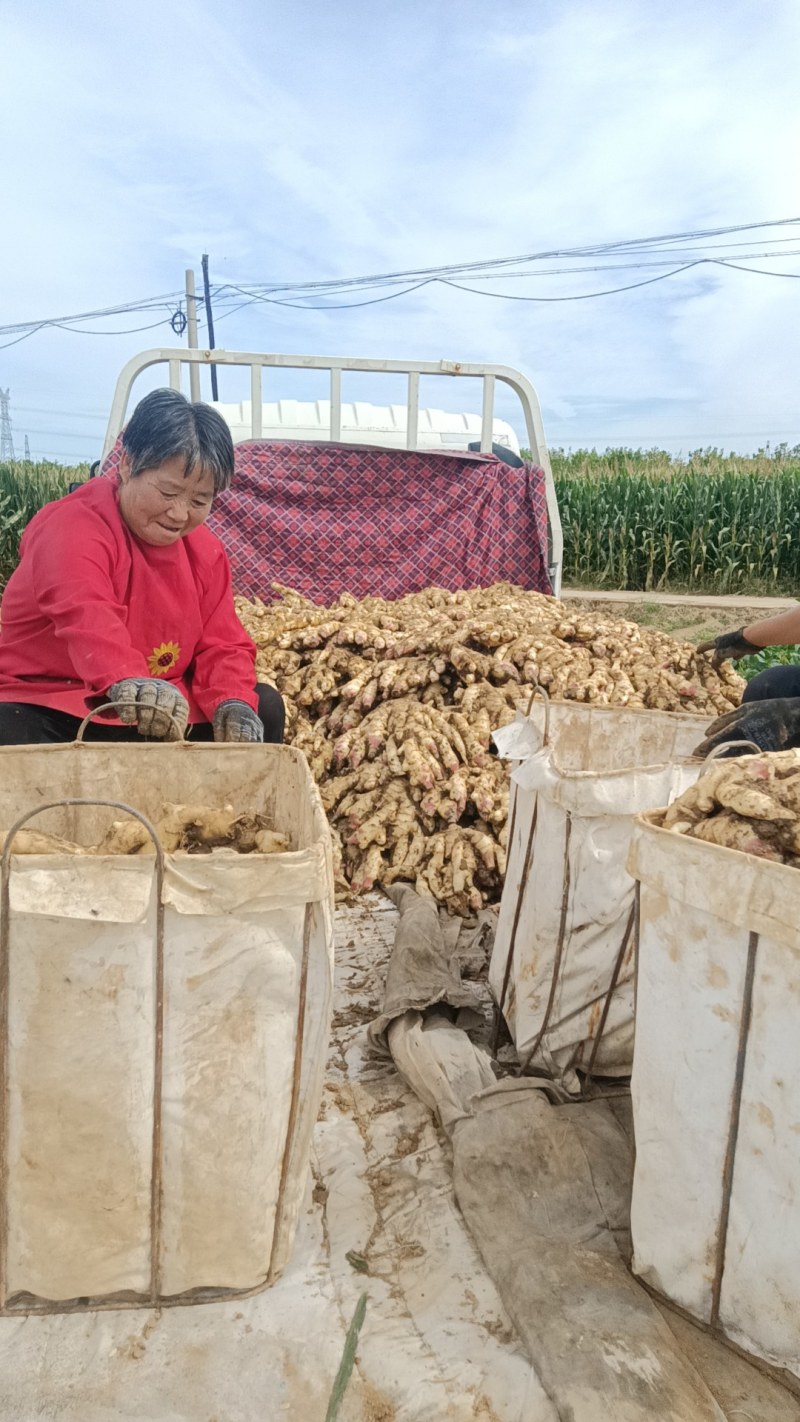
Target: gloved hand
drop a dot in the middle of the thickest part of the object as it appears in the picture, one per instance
(729, 646)
(148, 703)
(236, 721)
(773, 725)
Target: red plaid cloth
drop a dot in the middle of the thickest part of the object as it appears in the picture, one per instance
(331, 518)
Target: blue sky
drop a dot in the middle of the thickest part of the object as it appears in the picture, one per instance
(302, 140)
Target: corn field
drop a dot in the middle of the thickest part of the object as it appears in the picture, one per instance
(24, 488)
(637, 520)
(633, 519)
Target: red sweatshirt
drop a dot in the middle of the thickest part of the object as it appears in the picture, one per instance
(90, 604)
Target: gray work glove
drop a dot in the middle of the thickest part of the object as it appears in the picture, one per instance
(147, 703)
(773, 725)
(236, 721)
(729, 646)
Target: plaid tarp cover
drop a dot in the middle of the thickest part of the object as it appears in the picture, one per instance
(329, 518)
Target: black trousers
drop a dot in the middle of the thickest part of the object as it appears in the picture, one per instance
(775, 681)
(22, 724)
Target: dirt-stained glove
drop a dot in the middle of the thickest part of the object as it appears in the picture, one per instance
(148, 703)
(773, 725)
(729, 647)
(236, 721)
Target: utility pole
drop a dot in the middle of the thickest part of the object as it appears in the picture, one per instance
(191, 335)
(210, 319)
(6, 437)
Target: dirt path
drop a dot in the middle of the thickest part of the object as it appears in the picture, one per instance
(694, 617)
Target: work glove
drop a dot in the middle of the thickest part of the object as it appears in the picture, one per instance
(773, 725)
(729, 646)
(236, 721)
(147, 703)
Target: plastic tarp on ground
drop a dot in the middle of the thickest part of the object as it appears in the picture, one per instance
(562, 966)
(545, 1191)
(331, 518)
(715, 1195)
(380, 1217)
(146, 1153)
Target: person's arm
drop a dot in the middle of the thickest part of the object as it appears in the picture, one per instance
(780, 631)
(71, 570)
(224, 665)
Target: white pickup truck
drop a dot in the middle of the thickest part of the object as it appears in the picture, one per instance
(486, 1223)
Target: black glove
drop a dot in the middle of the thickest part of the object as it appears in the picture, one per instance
(773, 725)
(729, 646)
(148, 703)
(236, 721)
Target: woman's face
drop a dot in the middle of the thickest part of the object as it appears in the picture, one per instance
(164, 504)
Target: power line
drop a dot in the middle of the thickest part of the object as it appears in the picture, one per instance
(65, 434)
(146, 303)
(505, 295)
(126, 331)
(578, 296)
(60, 326)
(342, 305)
(623, 247)
(73, 414)
(24, 337)
(628, 251)
(735, 266)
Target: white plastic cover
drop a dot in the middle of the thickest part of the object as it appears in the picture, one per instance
(706, 911)
(363, 424)
(244, 940)
(565, 924)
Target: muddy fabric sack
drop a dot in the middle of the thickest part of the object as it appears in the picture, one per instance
(562, 965)
(717, 1177)
(166, 1026)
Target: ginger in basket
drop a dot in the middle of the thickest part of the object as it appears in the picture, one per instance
(751, 803)
(198, 829)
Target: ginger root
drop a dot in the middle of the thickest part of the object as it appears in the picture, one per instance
(382, 695)
(198, 829)
(751, 803)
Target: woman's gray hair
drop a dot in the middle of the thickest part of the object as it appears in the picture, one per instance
(166, 425)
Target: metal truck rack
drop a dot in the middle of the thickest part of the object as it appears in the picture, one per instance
(257, 362)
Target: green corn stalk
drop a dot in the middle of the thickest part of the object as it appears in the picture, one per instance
(24, 489)
(639, 520)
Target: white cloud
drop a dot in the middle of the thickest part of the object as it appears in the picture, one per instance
(300, 141)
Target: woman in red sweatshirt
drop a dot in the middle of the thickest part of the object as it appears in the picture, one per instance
(122, 595)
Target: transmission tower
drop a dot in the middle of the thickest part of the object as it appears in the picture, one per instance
(27, 451)
(6, 437)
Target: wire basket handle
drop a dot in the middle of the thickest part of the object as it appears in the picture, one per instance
(725, 746)
(539, 690)
(112, 706)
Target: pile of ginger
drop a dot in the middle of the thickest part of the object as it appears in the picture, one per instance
(394, 705)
